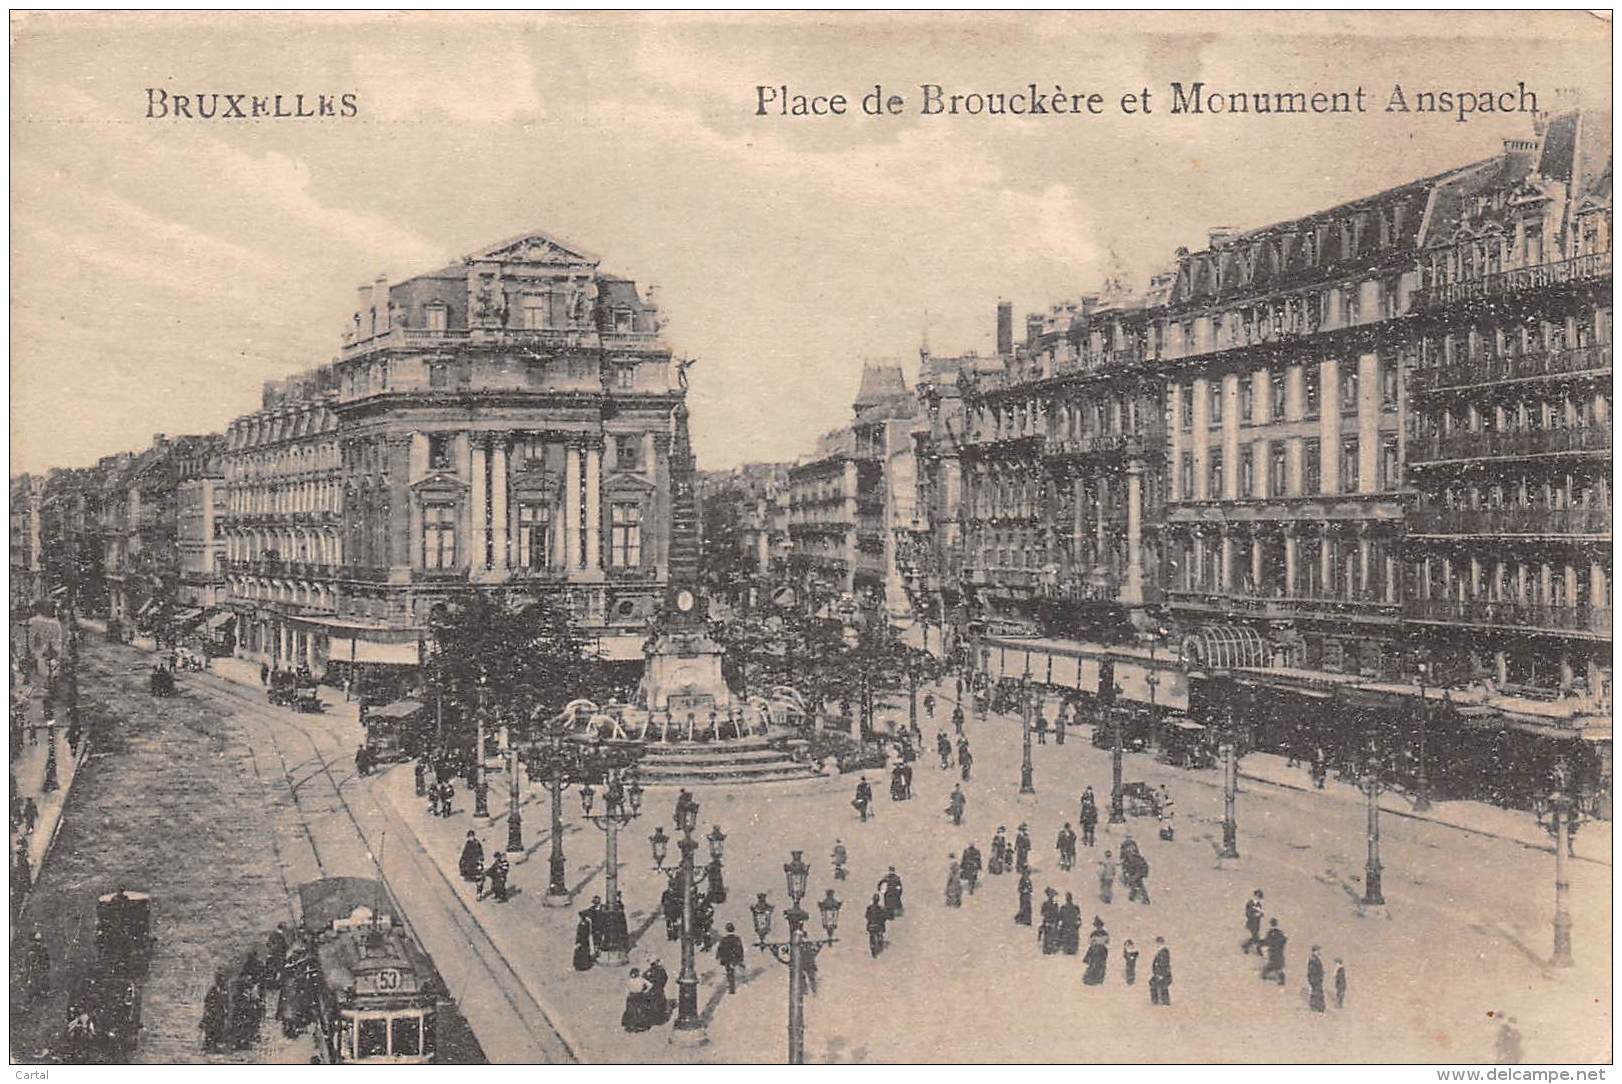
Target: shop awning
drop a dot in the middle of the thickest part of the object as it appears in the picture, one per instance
(221, 621)
(376, 652)
(185, 619)
(1226, 647)
(400, 709)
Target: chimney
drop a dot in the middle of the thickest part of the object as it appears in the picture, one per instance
(1219, 234)
(1005, 328)
(1033, 328)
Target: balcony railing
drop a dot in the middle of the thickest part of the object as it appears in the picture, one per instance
(1511, 283)
(1511, 521)
(1580, 619)
(1510, 445)
(439, 575)
(1499, 367)
(1280, 605)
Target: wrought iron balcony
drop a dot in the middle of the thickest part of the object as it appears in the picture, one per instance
(1509, 445)
(1546, 522)
(1495, 369)
(1586, 621)
(1512, 283)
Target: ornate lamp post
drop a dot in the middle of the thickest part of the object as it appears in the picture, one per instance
(1422, 783)
(1372, 896)
(515, 799)
(561, 767)
(481, 795)
(797, 949)
(1562, 812)
(1230, 788)
(1027, 783)
(614, 817)
(689, 1027)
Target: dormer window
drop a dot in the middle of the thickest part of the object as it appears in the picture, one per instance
(436, 317)
(624, 321)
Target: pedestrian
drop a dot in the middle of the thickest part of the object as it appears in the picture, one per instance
(1160, 975)
(839, 857)
(1041, 727)
(363, 763)
(1022, 917)
(419, 776)
(943, 747)
(1165, 810)
(37, 967)
(1088, 816)
(965, 761)
(216, 1004)
(877, 916)
(497, 873)
(1129, 961)
(955, 805)
(1060, 721)
(636, 1016)
(264, 673)
(890, 887)
(1134, 871)
(1340, 984)
(1254, 913)
(970, 867)
(957, 718)
(1022, 849)
(1001, 857)
(1070, 926)
(929, 705)
(729, 954)
(30, 814)
(1097, 955)
(1048, 933)
(585, 948)
(954, 884)
(1274, 944)
(1320, 767)
(1106, 879)
(1067, 847)
(671, 904)
(864, 798)
(906, 780)
(898, 784)
(1315, 981)
(471, 864)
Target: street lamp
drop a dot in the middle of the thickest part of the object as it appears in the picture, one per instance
(562, 768)
(614, 817)
(797, 949)
(1372, 896)
(689, 1027)
(481, 797)
(1027, 783)
(1230, 788)
(1422, 784)
(1563, 811)
(515, 799)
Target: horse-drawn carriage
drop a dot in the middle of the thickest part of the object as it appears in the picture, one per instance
(104, 1008)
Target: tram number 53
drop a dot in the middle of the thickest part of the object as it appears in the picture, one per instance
(388, 980)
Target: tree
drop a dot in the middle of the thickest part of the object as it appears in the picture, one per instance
(528, 652)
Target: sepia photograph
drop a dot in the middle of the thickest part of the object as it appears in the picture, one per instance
(905, 538)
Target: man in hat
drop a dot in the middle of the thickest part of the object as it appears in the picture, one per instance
(877, 916)
(1315, 981)
(1273, 947)
(1253, 923)
(729, 954)
(471, 864)
(1160, 975)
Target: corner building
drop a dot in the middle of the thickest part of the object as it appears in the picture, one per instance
(503, 423)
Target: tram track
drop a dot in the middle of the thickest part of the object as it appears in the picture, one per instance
(522, 1005)
(448, 929)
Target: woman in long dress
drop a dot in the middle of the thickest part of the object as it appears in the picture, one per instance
(636, 1016)
(954, 885)
(1097, 957)
(584, 956)
(1023, 916)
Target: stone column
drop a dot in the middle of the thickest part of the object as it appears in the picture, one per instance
(1329, 424)
(1202, 439)
(1230, 438)
(498, 503)
(1134, 533)
(1289, 559)
(571, 507)
(1225, 563)
(480, 502)
(1256, 561)
(1364, 550)
(1328, 573)
(594, 509)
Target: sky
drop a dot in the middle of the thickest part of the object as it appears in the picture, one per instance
(163, 269)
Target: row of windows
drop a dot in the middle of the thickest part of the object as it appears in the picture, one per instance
(1276, 399)
(1274, 454)
(1525, 416)
(535, 536)
(532, 452)
(281, 499)
(1529, 583)
(268, 430)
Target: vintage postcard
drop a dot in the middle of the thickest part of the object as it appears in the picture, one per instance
(703, 538)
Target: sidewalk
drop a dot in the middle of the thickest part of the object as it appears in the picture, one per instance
(28, 770)
(1592, 843)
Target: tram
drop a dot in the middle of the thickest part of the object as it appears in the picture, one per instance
(379, 992)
